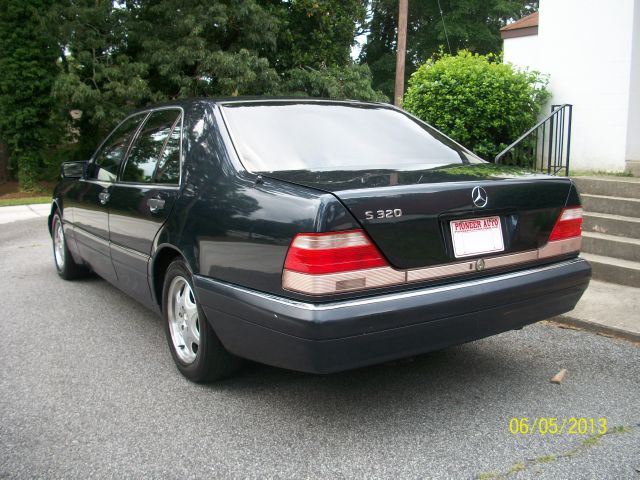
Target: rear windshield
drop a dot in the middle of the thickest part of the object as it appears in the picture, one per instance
(283, 136)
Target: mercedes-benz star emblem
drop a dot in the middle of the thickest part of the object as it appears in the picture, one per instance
(479, 197)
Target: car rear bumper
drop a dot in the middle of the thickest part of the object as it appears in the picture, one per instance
(329, 337)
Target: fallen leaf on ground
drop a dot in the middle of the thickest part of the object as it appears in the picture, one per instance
(558, 377)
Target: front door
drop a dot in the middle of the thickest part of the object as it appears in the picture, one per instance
(90, 197)
(143, 197)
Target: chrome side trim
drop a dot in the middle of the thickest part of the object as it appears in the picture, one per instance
(108, 243)
(92, 236)
(129, 251)
(148, 186)
(382, 298)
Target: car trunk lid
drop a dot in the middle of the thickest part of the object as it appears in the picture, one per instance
(409, 214)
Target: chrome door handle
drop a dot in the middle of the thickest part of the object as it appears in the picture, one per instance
(155, 204)
(104, 197)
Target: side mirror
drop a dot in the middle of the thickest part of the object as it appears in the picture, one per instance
(73, 169)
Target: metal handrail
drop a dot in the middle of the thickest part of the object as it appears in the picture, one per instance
(558, 138)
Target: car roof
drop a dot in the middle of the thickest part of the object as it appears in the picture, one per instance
(187, 102)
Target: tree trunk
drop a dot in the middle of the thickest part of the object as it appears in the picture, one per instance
(4, 163)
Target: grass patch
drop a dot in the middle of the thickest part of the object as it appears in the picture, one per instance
(534, 465)
(545, 459)
(598, 173)
(620, 429)
(489, 476)
(591, 441)
(515, 468)
(8, 202)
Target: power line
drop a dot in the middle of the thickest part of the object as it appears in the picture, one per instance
(445, 27)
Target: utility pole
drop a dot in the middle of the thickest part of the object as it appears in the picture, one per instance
(401, 52)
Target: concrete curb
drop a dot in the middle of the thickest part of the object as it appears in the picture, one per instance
(596, 328)
(14, 213)
(607, 309)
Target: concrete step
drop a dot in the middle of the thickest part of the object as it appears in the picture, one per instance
(611, 246)
(611, 224)
(614, 270)
(628, 207)
(626, 187)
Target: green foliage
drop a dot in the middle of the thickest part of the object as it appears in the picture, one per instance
(471, 25)
(97, 73)
(104, 58)
(352, 81)
(28, 66)
(316, 33)
(204, 48)
(118, 56)
(477, 100)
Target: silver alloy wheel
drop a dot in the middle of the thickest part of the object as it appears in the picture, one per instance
(184, 324)
(58, 244)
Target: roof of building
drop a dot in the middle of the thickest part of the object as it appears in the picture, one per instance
(525, 26)
(524, 22)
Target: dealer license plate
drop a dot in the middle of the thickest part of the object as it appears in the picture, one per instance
(476, 236)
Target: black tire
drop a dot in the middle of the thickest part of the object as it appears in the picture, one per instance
(66, 266)
(210, 361)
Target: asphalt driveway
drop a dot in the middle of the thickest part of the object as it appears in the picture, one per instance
(88, 388)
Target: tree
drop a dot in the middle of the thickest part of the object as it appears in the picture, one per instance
(99, 59)
(203, 48)
(28, 68)
(477, 100)
(315, 34)
(116, 56)
(352, 81)
(313, 54)
(98, 75)
(471, 24)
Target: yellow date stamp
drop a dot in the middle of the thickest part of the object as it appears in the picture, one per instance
(558, 426)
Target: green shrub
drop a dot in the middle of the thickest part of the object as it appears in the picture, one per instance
(477, 100)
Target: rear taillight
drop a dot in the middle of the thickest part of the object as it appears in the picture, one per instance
(322, 263)
(568, 225)
(318, 253)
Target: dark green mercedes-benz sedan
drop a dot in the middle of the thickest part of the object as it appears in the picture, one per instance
(314, 235)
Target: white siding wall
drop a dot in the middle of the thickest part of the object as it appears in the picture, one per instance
(523, 51)
(633, 129)
(585, 47)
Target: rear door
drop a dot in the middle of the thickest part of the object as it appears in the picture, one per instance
(90, 197)
(143, 197)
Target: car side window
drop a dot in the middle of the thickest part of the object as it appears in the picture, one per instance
(155, 155)
(108, 159)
